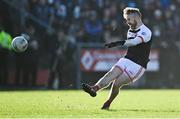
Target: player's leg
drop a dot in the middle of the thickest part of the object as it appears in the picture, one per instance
(117, 84)
(131, 73)
(110, 76)
(103, 82)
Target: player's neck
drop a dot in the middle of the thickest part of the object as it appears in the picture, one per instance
(138, 24)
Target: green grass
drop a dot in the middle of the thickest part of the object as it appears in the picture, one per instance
(76, 104)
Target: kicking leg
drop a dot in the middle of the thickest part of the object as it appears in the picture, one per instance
(103, 82)
(117, 84)
(108, 78)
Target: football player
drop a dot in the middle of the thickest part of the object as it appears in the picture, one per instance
(132, 66)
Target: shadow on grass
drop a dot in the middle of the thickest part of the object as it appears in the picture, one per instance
(140, 110)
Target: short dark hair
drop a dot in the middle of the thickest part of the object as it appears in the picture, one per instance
(131, 10)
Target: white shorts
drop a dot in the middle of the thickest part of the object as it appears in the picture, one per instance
(129, 68)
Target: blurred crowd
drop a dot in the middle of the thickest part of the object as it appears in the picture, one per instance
(70, 22)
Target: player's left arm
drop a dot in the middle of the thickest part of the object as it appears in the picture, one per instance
(143, 37)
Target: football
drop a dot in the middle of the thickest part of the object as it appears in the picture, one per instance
(19, 44)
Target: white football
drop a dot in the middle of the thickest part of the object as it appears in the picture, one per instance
(19, 44)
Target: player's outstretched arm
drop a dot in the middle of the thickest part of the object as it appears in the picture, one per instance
(114, 44)
(131, 42)
(128, 43)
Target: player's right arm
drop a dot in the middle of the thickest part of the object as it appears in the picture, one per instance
(142, 38)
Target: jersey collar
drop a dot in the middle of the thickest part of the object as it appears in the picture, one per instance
(135, 30)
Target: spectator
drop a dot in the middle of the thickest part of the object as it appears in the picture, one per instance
(55, 80)
(31, 57)
(5, 47)
(95, 20)
(93, 28)
(27, 62)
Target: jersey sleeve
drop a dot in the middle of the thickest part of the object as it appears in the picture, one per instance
(142, 36)
(145, 35)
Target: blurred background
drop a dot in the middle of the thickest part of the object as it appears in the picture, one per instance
(67, 38)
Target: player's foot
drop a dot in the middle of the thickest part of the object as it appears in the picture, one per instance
(106, 106)
(87, 88)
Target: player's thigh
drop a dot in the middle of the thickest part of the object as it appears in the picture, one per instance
(114, 72)
(131, 69)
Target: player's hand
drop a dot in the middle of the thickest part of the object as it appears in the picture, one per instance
(113, 44)
(109, 45)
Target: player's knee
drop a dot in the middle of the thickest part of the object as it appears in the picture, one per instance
(114, 72)
(120, 82)
(116, 85)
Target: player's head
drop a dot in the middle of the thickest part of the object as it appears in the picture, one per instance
(132, 16)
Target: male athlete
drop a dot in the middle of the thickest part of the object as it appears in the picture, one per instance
(132, 66)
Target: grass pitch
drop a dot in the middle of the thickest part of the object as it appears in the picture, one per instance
(77, 104)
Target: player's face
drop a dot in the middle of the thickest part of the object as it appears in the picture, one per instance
(131, 21)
